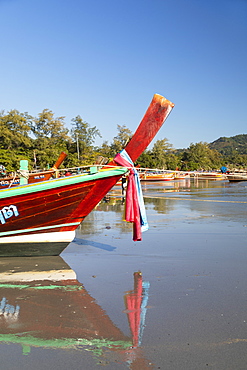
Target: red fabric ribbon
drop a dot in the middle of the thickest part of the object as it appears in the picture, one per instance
(132, 209)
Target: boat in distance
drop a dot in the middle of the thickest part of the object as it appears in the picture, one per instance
(156, 175)
(40, 219)
(35, 176)
(203, 175)
(237, 176)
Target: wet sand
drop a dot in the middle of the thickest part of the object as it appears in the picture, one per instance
(192, 267)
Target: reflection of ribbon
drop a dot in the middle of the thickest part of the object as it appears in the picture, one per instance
(136, 304)
(135, 209)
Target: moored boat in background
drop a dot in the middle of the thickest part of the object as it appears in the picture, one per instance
(157, 175)
(207, 175)
(237, 176)
(31, 177)
(180, 175)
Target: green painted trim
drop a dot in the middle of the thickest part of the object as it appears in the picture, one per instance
(26, 349)
(37, 229)
(62, 181)
(26, 339)
(70, 288)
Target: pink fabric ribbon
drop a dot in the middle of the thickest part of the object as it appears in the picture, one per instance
(132, 209)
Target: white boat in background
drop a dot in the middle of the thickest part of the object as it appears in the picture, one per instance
(180, 175)
(237, 176)
(208, 175)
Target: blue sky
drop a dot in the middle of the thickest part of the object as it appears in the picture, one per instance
(104, 60)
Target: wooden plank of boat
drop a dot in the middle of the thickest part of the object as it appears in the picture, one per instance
(41, 218)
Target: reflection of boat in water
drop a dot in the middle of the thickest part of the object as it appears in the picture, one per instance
(237, 176)
(42, 304)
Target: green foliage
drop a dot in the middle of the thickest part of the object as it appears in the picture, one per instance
(145, 160)
(104, 150)
(233, 150)
(41, 139)
(231, 145)
(199, 156)
(160, 153)
(14, 130)
(11, 159)
(120, 141)
(51, 138)
(161, 156)
(83, 137)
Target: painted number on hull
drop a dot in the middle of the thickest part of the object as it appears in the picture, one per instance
(7, 212)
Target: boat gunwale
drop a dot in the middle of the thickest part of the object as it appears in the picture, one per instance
(61, 182)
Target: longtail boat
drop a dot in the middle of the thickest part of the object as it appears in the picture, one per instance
(41, 218)
(37, 176)
(156, 176)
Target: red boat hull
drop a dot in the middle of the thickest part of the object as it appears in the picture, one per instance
(43, 222)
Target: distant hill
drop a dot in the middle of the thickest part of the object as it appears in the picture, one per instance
(230, 145)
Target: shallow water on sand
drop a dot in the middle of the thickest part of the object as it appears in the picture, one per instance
(175, 300)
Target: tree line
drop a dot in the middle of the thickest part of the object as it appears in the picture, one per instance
(41, 139)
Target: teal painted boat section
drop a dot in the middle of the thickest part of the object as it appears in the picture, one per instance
(63, 181)
(95, 344)
(69, 288)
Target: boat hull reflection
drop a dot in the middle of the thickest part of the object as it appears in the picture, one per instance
(42, 304)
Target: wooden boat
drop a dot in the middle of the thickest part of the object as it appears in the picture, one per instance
(41, 218)
(207, 175)
(156, 176)
(14, 180)
(236, 176)
(153, 175)
(43, 305)
(179, 175)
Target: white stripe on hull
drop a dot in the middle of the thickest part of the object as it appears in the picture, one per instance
(44, 229)
(52, 275)
(61, 236)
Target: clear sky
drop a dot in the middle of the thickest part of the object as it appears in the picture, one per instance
(104, 60)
